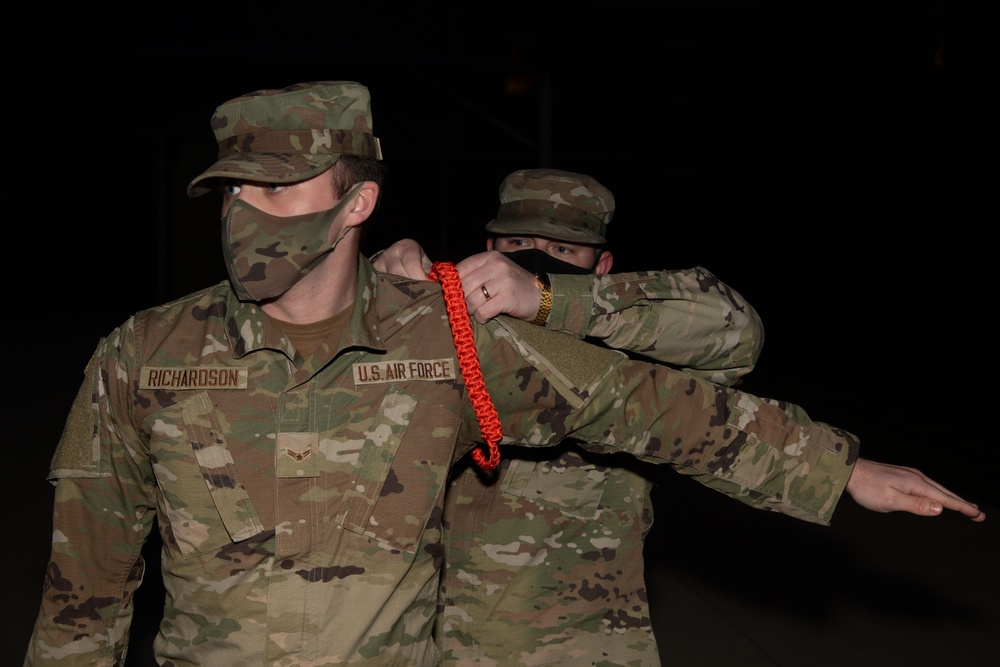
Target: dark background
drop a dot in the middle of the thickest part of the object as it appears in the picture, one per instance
(832, 164)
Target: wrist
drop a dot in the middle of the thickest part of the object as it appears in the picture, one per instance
(544, 303)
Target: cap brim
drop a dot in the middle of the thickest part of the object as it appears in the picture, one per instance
(262, 168)
(542, 226)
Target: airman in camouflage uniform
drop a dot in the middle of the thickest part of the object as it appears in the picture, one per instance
(299, 495)
(544, 561)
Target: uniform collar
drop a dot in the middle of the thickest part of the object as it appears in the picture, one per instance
(248, 329)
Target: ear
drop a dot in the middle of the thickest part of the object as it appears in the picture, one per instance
(604, 263)
(489, 243)
(363, 204)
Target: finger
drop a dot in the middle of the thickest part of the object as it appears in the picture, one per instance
(487, 310)
(924, 506)
(417, 267)
(949, 499)
(919, 505)
(966, 508)
(473, 277)
(475, 301)
(932, 502)
(473, 263)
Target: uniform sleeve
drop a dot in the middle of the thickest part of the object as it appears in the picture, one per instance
(769, 454)
(101, 518)
(687, 318)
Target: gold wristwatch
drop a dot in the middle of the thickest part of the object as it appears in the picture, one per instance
(545, 305)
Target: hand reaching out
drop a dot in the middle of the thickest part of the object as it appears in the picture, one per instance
(882, 487)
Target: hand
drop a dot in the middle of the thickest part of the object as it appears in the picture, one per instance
(404, 258)
(512, 290)
(881, 487)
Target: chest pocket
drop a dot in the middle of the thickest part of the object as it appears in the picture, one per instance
(204, 503)
(567, 482)
(398, 478)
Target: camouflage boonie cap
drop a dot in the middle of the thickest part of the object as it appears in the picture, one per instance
(289, 134)
(553, 203)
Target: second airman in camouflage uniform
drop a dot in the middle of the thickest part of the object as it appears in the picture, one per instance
(545, 560)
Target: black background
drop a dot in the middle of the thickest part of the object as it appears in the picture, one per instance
(833, 164)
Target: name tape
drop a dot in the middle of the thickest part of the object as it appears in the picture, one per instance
(200, 377)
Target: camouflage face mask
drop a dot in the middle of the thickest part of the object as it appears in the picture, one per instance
(267, 254)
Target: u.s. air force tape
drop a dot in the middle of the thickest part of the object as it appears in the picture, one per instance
(404, 369)
(196, 377)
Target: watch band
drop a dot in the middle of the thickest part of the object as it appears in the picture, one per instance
(545, 304)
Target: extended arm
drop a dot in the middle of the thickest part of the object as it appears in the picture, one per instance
(766, 453)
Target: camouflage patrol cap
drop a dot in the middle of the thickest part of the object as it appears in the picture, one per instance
(557, 204)
(289, 134)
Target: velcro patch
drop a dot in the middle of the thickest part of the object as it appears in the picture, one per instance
(577, 362)
(197, 377)
(398, 370)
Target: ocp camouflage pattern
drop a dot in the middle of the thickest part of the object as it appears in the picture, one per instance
(545, 558)
(554, 203)
(289, 134)
(299, 499)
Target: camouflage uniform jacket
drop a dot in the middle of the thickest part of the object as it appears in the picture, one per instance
(544, 560)
(299, 500)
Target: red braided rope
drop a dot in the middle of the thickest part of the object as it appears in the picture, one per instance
(468, 361)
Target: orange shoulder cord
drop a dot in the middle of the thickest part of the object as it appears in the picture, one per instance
(468, 361)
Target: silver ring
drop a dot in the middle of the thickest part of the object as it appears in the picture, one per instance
(485, 291)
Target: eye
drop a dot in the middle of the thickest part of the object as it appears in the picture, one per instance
(274, 187)
(562, 250)
(230, 189)
(509, 243)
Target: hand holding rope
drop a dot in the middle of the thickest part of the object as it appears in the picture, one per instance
(468, 361)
